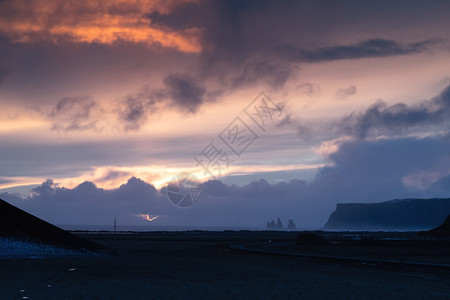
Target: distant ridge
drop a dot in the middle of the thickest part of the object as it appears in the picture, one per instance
(399, 214)
(18, 224)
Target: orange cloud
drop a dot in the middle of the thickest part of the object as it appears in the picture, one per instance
(102, 22)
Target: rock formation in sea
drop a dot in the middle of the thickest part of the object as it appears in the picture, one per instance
(291, 224)
(273, 225)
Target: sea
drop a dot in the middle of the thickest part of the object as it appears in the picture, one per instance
(144, 228)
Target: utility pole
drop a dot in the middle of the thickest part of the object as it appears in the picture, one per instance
(115, 227)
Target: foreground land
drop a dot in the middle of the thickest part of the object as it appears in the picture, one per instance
(201, 265)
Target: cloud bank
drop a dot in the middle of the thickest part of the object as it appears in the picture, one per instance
(381, 118)
(74, 113)
(364, 49)
(361, 171)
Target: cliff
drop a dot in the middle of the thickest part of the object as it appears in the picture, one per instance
(443, 230)
(405, 214)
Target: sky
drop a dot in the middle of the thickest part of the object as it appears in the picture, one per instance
(279, 108)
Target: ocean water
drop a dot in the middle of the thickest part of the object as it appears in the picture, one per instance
(157, 228)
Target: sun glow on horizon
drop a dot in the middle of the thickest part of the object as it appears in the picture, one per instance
(147, 217)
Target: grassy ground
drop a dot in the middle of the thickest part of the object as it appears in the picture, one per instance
(196, 265)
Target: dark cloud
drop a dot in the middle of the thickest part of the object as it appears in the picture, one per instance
(238, 49)
(309, 89)
(184, 92)
(238, 40)
(7, 58)
(364, 49)
(274, 74)
(371, 170)
(3, 74)
(133, 111)
(243, 44)
(184, 15)
(383, 118)
(262, 42)
(345, 93)
(73, 113)
(287, 120)
(220, 203)
(136, 191)
(45, 190)
(181, 92)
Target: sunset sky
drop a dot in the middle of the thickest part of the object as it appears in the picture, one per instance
(103, 102)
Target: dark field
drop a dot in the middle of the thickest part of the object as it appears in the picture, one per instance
(200, 265)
